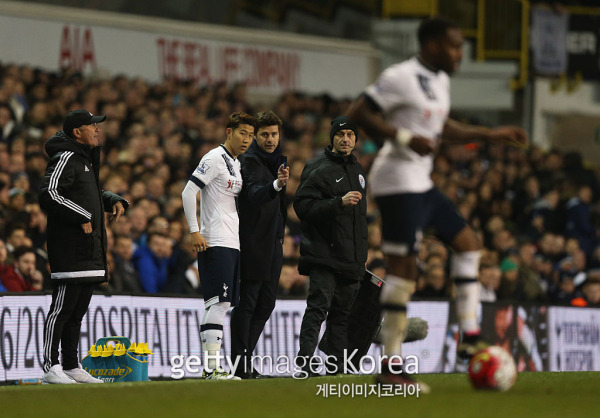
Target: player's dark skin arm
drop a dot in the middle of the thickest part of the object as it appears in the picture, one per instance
(365, 113)
(459, 132)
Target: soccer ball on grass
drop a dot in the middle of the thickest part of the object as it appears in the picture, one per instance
(492, 368)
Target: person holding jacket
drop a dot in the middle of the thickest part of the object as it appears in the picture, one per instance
(71, 196)
(262, 224)
(333, 251)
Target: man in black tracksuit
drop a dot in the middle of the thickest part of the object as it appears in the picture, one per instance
(262, 222)
(71, 196)
(333, 252)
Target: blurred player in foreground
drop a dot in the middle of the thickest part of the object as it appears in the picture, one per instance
(408, 107)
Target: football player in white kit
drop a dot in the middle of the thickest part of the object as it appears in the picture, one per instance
(409, 105)
(219, 181)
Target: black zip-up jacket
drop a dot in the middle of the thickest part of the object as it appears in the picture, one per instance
(262, 216)
(333, 236)
(70, 194)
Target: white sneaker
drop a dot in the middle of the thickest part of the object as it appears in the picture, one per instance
(80, 375)
(56, 375)
(219, 375)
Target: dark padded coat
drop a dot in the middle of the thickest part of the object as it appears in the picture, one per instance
(333, 236)
(70, 194)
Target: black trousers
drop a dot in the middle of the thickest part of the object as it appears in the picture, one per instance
(63, 323)
(330, 296)
(248, 319)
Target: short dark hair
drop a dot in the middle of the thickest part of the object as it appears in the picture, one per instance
(14, 227)
(240, 118)
(434, 28)
(122, 236)
(153, 234)
(268, 118)
(22, 250)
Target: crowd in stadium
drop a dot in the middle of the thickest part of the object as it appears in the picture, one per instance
(537, 212)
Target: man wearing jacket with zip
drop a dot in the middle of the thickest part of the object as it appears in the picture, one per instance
(71, 195)
(262, 223)
(331, 205)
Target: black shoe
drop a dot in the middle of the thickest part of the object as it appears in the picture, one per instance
(244, 376)
(335, 370)
(467, 349)
(257, 375)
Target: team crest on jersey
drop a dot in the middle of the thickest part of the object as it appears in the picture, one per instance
(361, 180)
(424, 83)
(225, 287)
(203, 168)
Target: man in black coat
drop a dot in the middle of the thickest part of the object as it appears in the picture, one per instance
(71, 196)
(262, 214)
(333, 252)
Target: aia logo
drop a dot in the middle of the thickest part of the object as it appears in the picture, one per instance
(77, 49)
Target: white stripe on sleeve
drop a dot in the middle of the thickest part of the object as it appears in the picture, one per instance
(52, 187)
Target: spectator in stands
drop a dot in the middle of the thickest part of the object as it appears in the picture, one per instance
(16, 237)
(591, 292)
(139, 222)
(151, 262)
(530, 285)
(565, 290)
(489, 281)
(124, 277)
(22, 276)
(579, 221)
(509, 279)
(262, 224)
(435, 284)
(9, 129)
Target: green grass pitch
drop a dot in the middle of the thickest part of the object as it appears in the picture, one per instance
(541, 394)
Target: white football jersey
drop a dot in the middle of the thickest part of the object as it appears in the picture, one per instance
(220, 173)
(413, 97)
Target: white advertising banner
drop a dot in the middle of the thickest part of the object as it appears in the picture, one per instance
(267, 69)
(574, 339)
(171, 327)
(22, 335)
(429, 351)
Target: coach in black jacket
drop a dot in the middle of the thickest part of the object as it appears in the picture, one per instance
(71, 196)
(262, 222)
(333, 252)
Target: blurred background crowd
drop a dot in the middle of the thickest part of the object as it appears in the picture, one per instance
(536, 211)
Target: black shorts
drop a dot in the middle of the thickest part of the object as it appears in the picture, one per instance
(219, 270)
(405, 216)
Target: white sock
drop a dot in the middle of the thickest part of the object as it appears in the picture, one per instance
(467, 302)
(211, 348)
(395, 295)
(212, 334)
